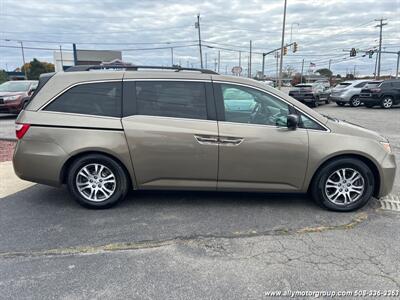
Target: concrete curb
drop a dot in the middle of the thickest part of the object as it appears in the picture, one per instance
(8, 139)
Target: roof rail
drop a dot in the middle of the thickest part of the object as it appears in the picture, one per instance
(134, 68)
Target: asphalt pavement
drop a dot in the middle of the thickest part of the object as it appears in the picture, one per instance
(184, 245)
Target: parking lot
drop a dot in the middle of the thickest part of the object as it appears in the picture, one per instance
(169, 245)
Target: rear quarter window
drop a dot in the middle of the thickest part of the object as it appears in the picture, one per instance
(100, 99)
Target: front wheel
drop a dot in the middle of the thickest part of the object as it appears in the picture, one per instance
(344, 184)
(97, 181)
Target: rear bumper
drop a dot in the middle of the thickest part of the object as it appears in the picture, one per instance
(304, 99)
(38, 161)
(388, 173)
(339, 98)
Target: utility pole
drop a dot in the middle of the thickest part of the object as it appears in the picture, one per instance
(302, 69)
(215, 64)
(61, 57)
(197, 25)
(23, 60)
(263, 65)
(172, 56)
(277, 67)
(219, 60)
(376, 64)
(380, 25)
(398, 62)
(250, 61)
(282, 44)
(329, 66)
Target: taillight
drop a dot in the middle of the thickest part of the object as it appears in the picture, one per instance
(21, 129)
(375, 90)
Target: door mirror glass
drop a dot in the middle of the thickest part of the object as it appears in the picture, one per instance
(292, 121)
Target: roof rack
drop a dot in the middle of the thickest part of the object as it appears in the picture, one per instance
(134, 68)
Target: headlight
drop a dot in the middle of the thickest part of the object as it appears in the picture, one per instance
(386, 146)
(11, 98)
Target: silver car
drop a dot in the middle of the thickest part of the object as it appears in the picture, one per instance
(348, 92)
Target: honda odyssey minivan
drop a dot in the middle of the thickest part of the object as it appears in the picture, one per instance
(103, 132)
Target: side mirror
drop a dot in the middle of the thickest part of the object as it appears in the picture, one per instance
(292, 121)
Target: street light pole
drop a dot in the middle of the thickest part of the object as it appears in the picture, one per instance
(23, 59)
(282, 44)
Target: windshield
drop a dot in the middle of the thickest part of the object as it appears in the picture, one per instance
(15, 86)
(373, 84)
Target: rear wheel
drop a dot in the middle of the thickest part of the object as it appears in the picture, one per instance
(387, 102)
(97, 181)
(355, 101)
(344, 184)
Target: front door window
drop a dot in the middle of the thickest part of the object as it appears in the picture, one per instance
(246, 105)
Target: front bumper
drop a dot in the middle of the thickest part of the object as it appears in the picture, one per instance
(370, 100)
(387, 174)
(11, 106)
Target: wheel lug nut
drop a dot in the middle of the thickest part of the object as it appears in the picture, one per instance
(99, 185)
(93, 186)
(101, 180)
(348, 184)
(95, 177)
(346, 190)
(340, 190)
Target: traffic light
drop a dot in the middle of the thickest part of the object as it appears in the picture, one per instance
(294, 47)
(370, 53)
(284, 50)
(353, 52)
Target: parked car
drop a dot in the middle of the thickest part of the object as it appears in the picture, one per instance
(311, 93)
(105, 132)
(14, 94)
(348, 92)
(385, 94)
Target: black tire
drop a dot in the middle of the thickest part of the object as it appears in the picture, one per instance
(315, 103)
(387, 102)
(121, 180)
(355, 101)
(340, 103)
(317, 187)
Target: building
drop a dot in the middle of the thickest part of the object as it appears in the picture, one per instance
(64, 60)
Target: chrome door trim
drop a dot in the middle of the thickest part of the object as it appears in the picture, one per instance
(280, 98)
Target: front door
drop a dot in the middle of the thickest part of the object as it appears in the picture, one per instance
(172, 141)
(257, 151)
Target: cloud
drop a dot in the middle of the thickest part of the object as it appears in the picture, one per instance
(325, 29)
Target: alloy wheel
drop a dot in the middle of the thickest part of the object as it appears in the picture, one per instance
(96, 182)
(387, 102)
(344, 186)
(355, 102)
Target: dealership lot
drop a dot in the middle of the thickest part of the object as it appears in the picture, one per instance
(198, 245)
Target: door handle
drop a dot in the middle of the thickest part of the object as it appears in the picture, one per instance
(231, 141)
(206, 139)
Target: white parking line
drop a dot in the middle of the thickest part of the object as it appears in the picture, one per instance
(9, 182)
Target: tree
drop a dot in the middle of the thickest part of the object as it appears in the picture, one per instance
(3, 76)
(36, 67)
(324, 72)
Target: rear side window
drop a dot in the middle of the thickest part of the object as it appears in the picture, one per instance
(171, 99)
(100, 99)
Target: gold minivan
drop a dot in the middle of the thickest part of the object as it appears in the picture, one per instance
(103, 132)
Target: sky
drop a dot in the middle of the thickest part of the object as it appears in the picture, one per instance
(324, 31)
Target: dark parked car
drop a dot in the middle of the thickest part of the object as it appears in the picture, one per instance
(14, 94)
(386, 94)
(311, 93)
